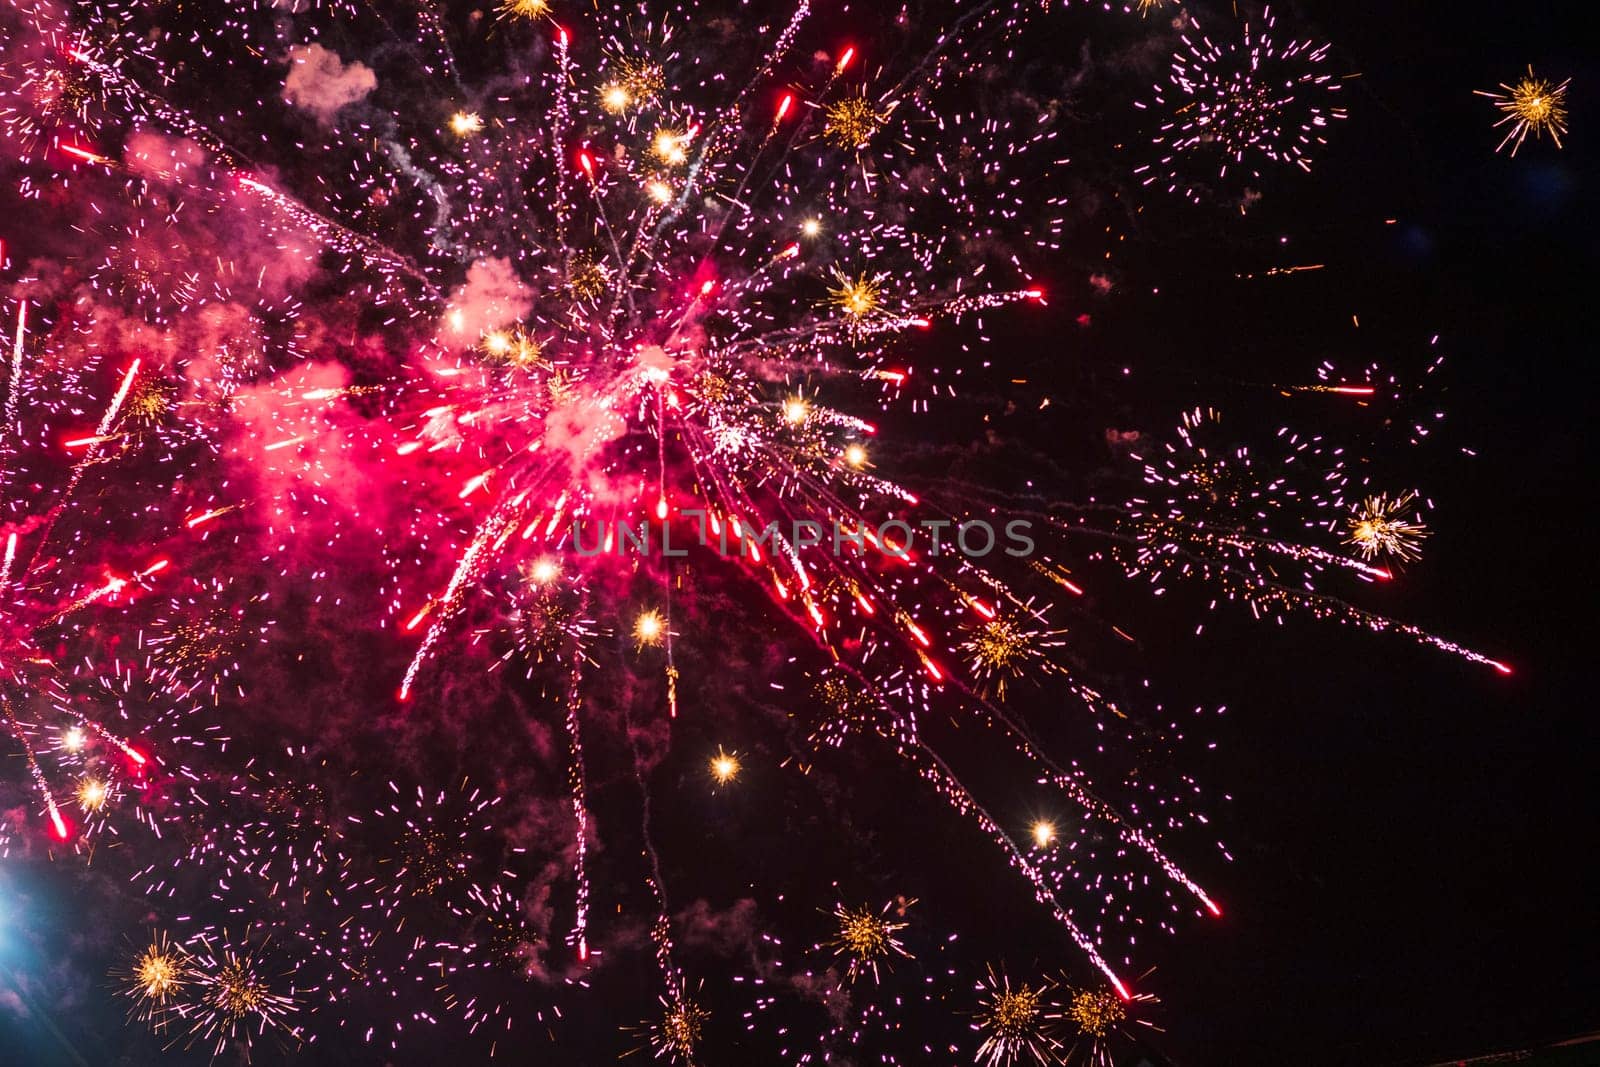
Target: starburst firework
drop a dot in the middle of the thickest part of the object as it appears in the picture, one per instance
(1533, 105)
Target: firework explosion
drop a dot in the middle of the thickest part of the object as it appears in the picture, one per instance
(867, 938)
(1380, 527)
(1018, 1023)
(1534, 105)
(1238, 107)
(552, 348)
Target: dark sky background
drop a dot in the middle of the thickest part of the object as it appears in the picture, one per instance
(1414, 836)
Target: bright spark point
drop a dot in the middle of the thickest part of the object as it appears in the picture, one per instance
(465, 123)
(855, 455)
(512, 348)
(669, 147)
(649, 628)
(1044, 833)
(93, 794)
(724, 766)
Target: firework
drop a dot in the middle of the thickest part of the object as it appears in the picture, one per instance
(216, 986)
(466, 123)
(1100, 1015)
(724, 766)
(856, 297)
(1219, 511)
(675, 1036)
(1380, 527)
(851, 122)
(157, 979)
(60, 739)
(649, 629)
(524, 9)
(1018, 1023)
(1239, 106)
(234, 997)
(1011, 645)
(1095, 1011)
(611, 311)
(1534, 105)
(867, 938)
(423, 845)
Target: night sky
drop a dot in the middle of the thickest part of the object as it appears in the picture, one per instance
(1412, 835)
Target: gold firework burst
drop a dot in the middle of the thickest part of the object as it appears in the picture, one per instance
(670, 147)
(1018, 1024)
(714, 388)
(234, 1000)
(867, 938)
(432, 859)
(857, 297)
(1380, 527)
(587, 278)
(149, 403)
(524, 9)
(1008, 646)
(93, 794)
(635, 84)
(513, 348)
(156, 978)
(676, 1035)
(237, 989)
(725, 766)
(649, 629)
(851, 122)
(1533, 105)
(545, 624)
(1096, 1012)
